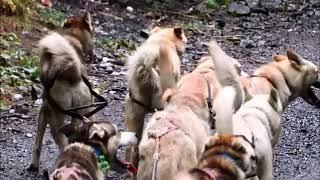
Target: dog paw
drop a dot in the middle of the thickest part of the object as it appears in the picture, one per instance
(32, 168)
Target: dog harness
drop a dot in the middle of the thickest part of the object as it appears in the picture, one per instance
(103, 163)
(145, 106)
(102, 102)
(157, 134)
(209, 100)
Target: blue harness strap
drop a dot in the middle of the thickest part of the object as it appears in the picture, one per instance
(103, 163)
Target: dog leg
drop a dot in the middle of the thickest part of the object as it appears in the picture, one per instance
(265, 171)
(37, 146)
(134, 121)
(56, 123)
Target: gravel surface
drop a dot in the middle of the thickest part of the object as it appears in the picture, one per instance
(252, 39)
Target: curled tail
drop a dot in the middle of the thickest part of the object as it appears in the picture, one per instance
(230, 97)
(58, 60)
(142, 65)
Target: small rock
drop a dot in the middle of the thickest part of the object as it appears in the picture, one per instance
(21, 108)
(317, 13)
(38, 102)
(11, 111)
(310, 13)
(105, 65)
(290, 30)
(105, 59)
(17, 97)
(29, 135)
(109, 70)
(131, 16)
(238, 8)
(247, 44)
(115, 73)
(253, 3)
(292, 7)
(123, 73)
(261, 42)
(270, 4)
(23, 89)
(129, 9)
(112, 92)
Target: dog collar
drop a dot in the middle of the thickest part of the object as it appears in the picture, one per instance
(228, 157)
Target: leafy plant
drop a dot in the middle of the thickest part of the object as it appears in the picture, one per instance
(116, 46)
(17, 67)
(193, 26)
(214, 4)
(51, 16)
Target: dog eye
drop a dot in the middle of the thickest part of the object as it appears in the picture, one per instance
(206, 147)
(254, 158)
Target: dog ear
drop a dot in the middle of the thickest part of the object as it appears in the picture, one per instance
(155, 29)
(273, 99)
(294, 57)
(69, 129)
(167, 95)
(178, 32)
(86, 19)
(279, 58)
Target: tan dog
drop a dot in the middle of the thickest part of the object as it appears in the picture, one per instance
(243, 143)
(88, 142)
(291, 75)
(153, 68)
(61, 66)
(182, 127)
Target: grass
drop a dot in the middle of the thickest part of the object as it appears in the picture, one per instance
(215, 4)
(17, 68)
(192, 26)
(116, 46)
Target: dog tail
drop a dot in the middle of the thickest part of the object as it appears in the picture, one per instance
(58, 59)
(230, 97)
(142, 64)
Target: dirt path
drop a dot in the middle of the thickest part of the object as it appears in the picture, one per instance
(252, 39)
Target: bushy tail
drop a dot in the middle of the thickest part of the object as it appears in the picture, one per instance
(58, 59)
(141, 65)
(230, 98)
(154, 62)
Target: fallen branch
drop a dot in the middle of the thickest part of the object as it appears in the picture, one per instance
(230, 36)
(172, 12)
(4, 140)
(110, 15)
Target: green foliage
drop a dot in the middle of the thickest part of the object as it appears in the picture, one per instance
(193, 26)
(116, 46)
(16, 66)
(214, 4)
(51, 16)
